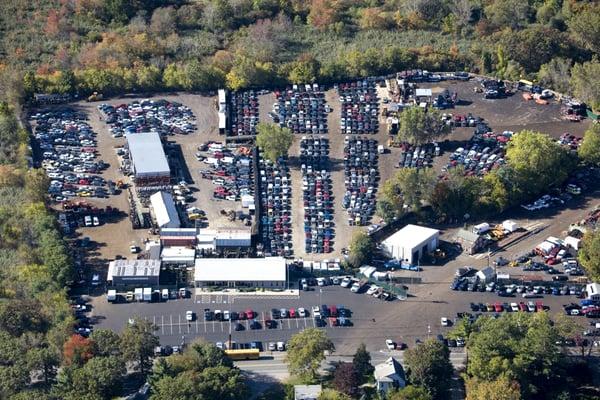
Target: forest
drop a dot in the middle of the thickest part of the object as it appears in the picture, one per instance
(115, 46)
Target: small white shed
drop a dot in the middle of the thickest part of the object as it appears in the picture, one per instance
(486, 274)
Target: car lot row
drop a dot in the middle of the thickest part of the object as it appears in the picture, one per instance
(361, 178)
(302, 109)
(244, 113)
(359, 107)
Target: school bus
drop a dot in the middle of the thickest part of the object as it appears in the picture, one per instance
(244, 354)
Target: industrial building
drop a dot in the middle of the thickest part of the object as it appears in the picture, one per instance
(178, 237)
(411, 243)
(133, 273)
(149, 163)
(164, 210)
(177, 255)
(223, 238)
(269, 273)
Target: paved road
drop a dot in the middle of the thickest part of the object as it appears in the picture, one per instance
(272, 366)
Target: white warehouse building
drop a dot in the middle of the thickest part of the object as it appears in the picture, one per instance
(164, 210)
(411, 243)
(150, 165)
(269, 272)
(133, 273)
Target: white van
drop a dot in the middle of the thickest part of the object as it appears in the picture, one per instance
(88, 220)
(165, 294)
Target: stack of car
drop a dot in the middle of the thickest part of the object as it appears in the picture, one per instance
(317, 195)
(68, 147)
(162, 116)
(302, 109)
(361, 176)
(570, 141)
(358, 112)
(418, 156)
(230, 169)
(244, 113)
(275, 199)
(477, 159)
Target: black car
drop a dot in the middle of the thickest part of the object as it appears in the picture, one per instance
(275, 314)
(560, 278)
(208, 315)
(474, 307)
(239, 327)
(255, 325)
(319, 322)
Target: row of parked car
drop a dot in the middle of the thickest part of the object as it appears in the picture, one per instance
(317, 195)
(499, 307)
(359, 107)
(275, 199)
(162, 116)
(477, 159)
(418, 156)
(83, 324)
(301, 108)
(68, 154)
(244, 113)
(230, 170)
(588, 308)
(361, 177)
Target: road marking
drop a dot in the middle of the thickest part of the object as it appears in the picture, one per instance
(162, 324)
(179, 323)
(289, 322)
(213, 325)
(204, 326)
(196, 325)
(154, 320)
(297, 323)
(171, 324)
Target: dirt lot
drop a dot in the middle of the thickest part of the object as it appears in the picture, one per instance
(511, 113)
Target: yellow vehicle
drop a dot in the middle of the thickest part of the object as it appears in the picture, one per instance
(245, 354)
(95, 97)
(195, 216)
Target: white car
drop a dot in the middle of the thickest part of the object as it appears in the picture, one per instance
(445, 321)
(302, 312)
(514, 307)
(281, 346)
(189, 316)
(226, 315)
(88, 220)
(96, 221)
(372, 290)
(321, 282)
(220, 345)
(346, 282)
(390, 344)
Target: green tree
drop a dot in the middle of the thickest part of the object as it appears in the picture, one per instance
(106, 342)
(585, 26)
(521, 347)
(306, 352)
(428, 365)
(66, 82)
(273, 140)
(586, 84)
(531, 155)
(511, 13)
(346, 379)
(362, 363)
(456, 196)
(36, 185)
(45, 360)
(409, 393)
(330, 394)
(589, 254)
(99, 378)
(556, 74)
(589, 151)
(409, 187)
(304, 70)
(501, 388)
(20, 316)
(418, 126)
(361, 248)
(138, 342)
(387, 210)
(29, 84)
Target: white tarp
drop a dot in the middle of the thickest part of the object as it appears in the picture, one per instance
(164, 210)
(572, 242)
(546, 247)
(486, 274)
(510, 226)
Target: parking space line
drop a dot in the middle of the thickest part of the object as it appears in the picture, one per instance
(179, 322)
(289, 322)
(222, 330)
(171, 324)
(162, 324)
(196, 325)
(213, 325)
(297, 323)
(314, 324)
(204, 323)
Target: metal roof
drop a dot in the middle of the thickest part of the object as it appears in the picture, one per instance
(147, 154)
(240, 269)
(164, 210)
(129, 268)
(411, 236)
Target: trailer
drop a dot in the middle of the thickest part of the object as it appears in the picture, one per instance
(111, 295)
(147, 294)
(139, 294)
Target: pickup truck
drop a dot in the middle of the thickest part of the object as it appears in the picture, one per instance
(357, 286)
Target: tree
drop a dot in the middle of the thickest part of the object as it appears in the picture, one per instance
(361, 247)
(409, 187)
(501, 388)
(306, 351)
(20, 316)
(346, 379)
(66, 82)
(511, 13)
(589, 151)
(428, 365)
(138, 342)
(273, 141)
(106, 342)
(304, 70)
(586, 84)
(36, 185)
(418, 126)
(409, 393)
(100, 378)
(585, 26)
(163, 21)
(521, 347)
(589, 254)
(78, 350)
(531, 155)
(456, 196)
(556, 74)
(330, 394)
(387, 211)
(43, 359)
(362, 363)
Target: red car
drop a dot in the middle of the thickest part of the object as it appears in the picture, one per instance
(498, 307)
(333, 311)
(292, 313)
(249, 314)
(523, 307)
(333, 321)
(539, 306)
